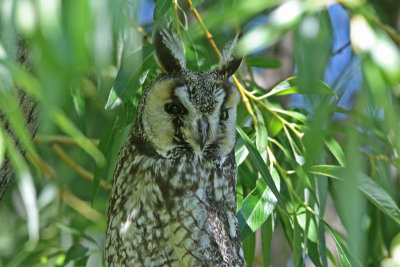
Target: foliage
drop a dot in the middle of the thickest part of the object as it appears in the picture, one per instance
(89, 62)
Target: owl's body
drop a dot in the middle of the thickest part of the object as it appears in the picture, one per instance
(173, 201)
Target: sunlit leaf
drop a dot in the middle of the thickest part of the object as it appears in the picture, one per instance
(336, 150)
(259, 204)
(261, 133)
(290, 86)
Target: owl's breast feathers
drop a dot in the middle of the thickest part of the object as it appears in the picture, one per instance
(173, 212)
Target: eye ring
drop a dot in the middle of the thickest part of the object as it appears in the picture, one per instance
(224, 115)
(174, 109)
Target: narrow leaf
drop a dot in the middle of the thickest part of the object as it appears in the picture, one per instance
(196, 3)
(249, 246)
(260, 165)
(379, 197)
(69, 128)
(258, 205)
(345, 256)
(327, 170)
(290, 86)
(266, 239)
(132, 74)
(336, 150)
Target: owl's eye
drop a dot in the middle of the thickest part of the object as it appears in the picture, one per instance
(174, 109)
(224, 115)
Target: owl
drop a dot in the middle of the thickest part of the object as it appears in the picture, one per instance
(173, 201)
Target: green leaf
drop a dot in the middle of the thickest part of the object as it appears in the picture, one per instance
(244, 229)
(259, 164)
(80, 109)
(249, 246)
(379, 197)
(132, 75)
(297, 240)
(336, 150)
(110, 144)
(262, 62)
(290, 86)
(346, 258)
(266, 239)
(196, 3)
(275, 126)
(69, 128)
(259, 204)
(26, 81)
(162, 11)
(241, 153)
(261, 133)
(327, 170)
(76, 251)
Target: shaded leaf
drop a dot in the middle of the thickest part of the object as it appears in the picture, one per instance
(327, 170)
(110, 144)
(76, 251)
(196, 3)
(69, 128)
(249, 245)
(379, 197)
(262, 62)
(132, 75)
(266, 239)
(345, 256)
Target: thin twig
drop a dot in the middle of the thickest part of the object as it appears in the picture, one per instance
(75, 167)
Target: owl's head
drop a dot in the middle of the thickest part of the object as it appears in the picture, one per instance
(185, 112)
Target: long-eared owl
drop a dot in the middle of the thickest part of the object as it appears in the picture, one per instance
(173, 201)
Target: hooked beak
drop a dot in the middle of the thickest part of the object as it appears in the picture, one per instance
(202, 127)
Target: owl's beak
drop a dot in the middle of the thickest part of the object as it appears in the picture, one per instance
(202, 127)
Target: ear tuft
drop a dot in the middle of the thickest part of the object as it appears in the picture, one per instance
(228, 64)
(169, 51)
